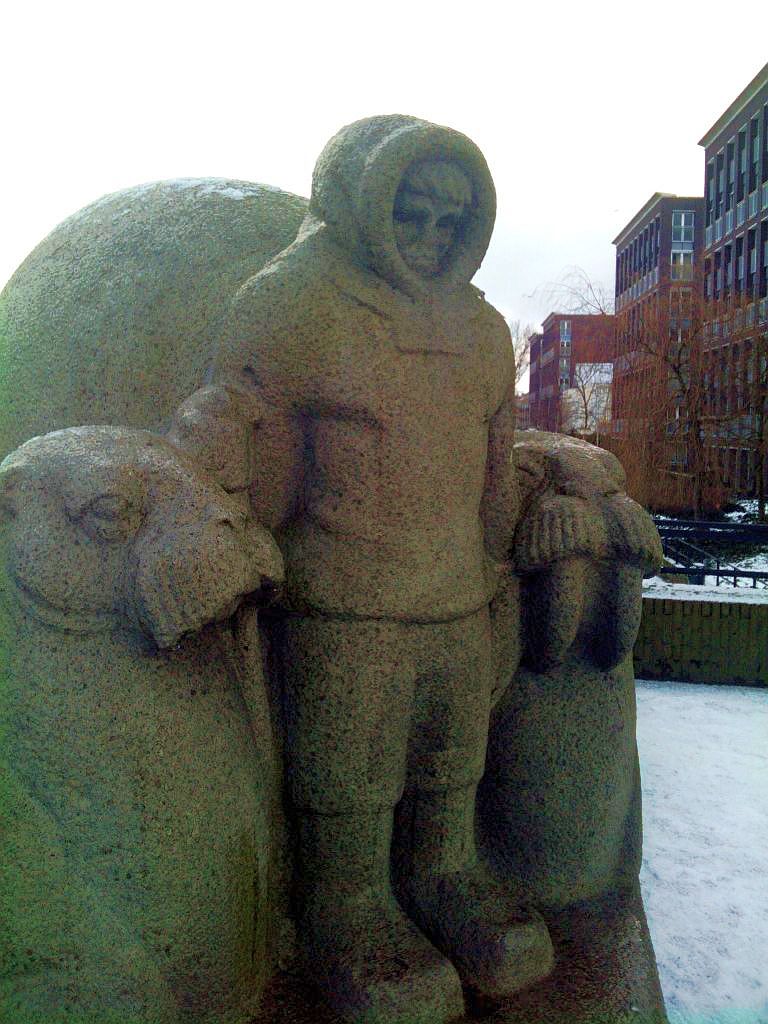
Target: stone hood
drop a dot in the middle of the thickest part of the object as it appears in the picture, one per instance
(355, 182)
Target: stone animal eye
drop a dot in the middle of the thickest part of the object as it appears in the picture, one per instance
(108, 506)
(111, 517)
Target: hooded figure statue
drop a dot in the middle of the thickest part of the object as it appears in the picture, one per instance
(383, 468)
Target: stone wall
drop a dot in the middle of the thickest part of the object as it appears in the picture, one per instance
(704, 638)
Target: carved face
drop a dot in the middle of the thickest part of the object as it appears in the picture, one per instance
(103, 522)
(429, 214)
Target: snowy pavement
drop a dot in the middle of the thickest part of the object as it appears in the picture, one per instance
(704, 760)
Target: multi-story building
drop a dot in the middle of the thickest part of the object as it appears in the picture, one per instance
(735, 263)
(657, 256)
(567, 345)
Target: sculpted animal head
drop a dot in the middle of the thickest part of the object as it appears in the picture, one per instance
(574, 504)
(105, 523)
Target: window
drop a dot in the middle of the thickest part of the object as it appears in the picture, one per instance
(682, 266)
(682, 230)
(751, 257)
(754, 170)
(741, 162)
(565, 330)
(681, 302)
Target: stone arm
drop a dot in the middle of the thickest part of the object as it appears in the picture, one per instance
(254, 363)
(501, 497)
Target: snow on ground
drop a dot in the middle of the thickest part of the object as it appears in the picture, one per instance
(709, 591)
(704, 761)
(746, 510)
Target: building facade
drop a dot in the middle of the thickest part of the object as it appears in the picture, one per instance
(658, 264)
(560, 359)
(658, 285)
(735, 287)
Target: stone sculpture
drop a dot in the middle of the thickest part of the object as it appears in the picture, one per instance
(135, 841)
(132, 288)
(389, 386)
(436, 620)
(559, 807)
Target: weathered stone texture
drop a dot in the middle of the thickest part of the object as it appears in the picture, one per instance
(136, 751)
(459, 610)
(112, 318)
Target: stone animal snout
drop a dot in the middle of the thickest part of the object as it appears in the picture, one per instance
(581, 548)
(109, 523)
(609, 526)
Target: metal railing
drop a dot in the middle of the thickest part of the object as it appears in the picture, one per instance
(723, 573)
(696, 563)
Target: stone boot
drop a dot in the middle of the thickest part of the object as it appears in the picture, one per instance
(369, 961)
(496, 946)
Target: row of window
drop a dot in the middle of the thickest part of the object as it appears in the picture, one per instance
(639, 256)
(741, 265)
(745, 210)
(738, 169)
(637, 265)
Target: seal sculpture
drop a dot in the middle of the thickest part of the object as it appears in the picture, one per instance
(133, 876)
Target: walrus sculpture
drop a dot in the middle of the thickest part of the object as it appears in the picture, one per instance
(559, 806)
(133, 831)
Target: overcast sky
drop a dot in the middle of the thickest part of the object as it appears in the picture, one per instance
(583, 110)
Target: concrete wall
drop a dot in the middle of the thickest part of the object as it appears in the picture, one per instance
(717, 639)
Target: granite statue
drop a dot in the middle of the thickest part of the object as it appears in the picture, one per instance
(388, 382)
(447, 709)
(135, 837)
(132, 288)
(559, 808)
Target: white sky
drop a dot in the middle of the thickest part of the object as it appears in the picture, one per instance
(583, 110)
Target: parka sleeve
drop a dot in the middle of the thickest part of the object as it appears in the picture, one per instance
(501, 498)
(260, 352)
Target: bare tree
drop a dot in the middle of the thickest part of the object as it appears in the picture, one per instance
(586, 404)
(660, 403)
(575, 292)
(521, 345)
(735, 367)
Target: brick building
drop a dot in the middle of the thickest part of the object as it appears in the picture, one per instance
(735, 283)
(658, 257)
(567, 344)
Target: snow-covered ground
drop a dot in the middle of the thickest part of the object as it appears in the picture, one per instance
(704, 760)
(746, 510)
(708, 591)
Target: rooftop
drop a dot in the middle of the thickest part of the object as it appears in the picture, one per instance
(552, 317)
(745, 96)
(644, 212)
